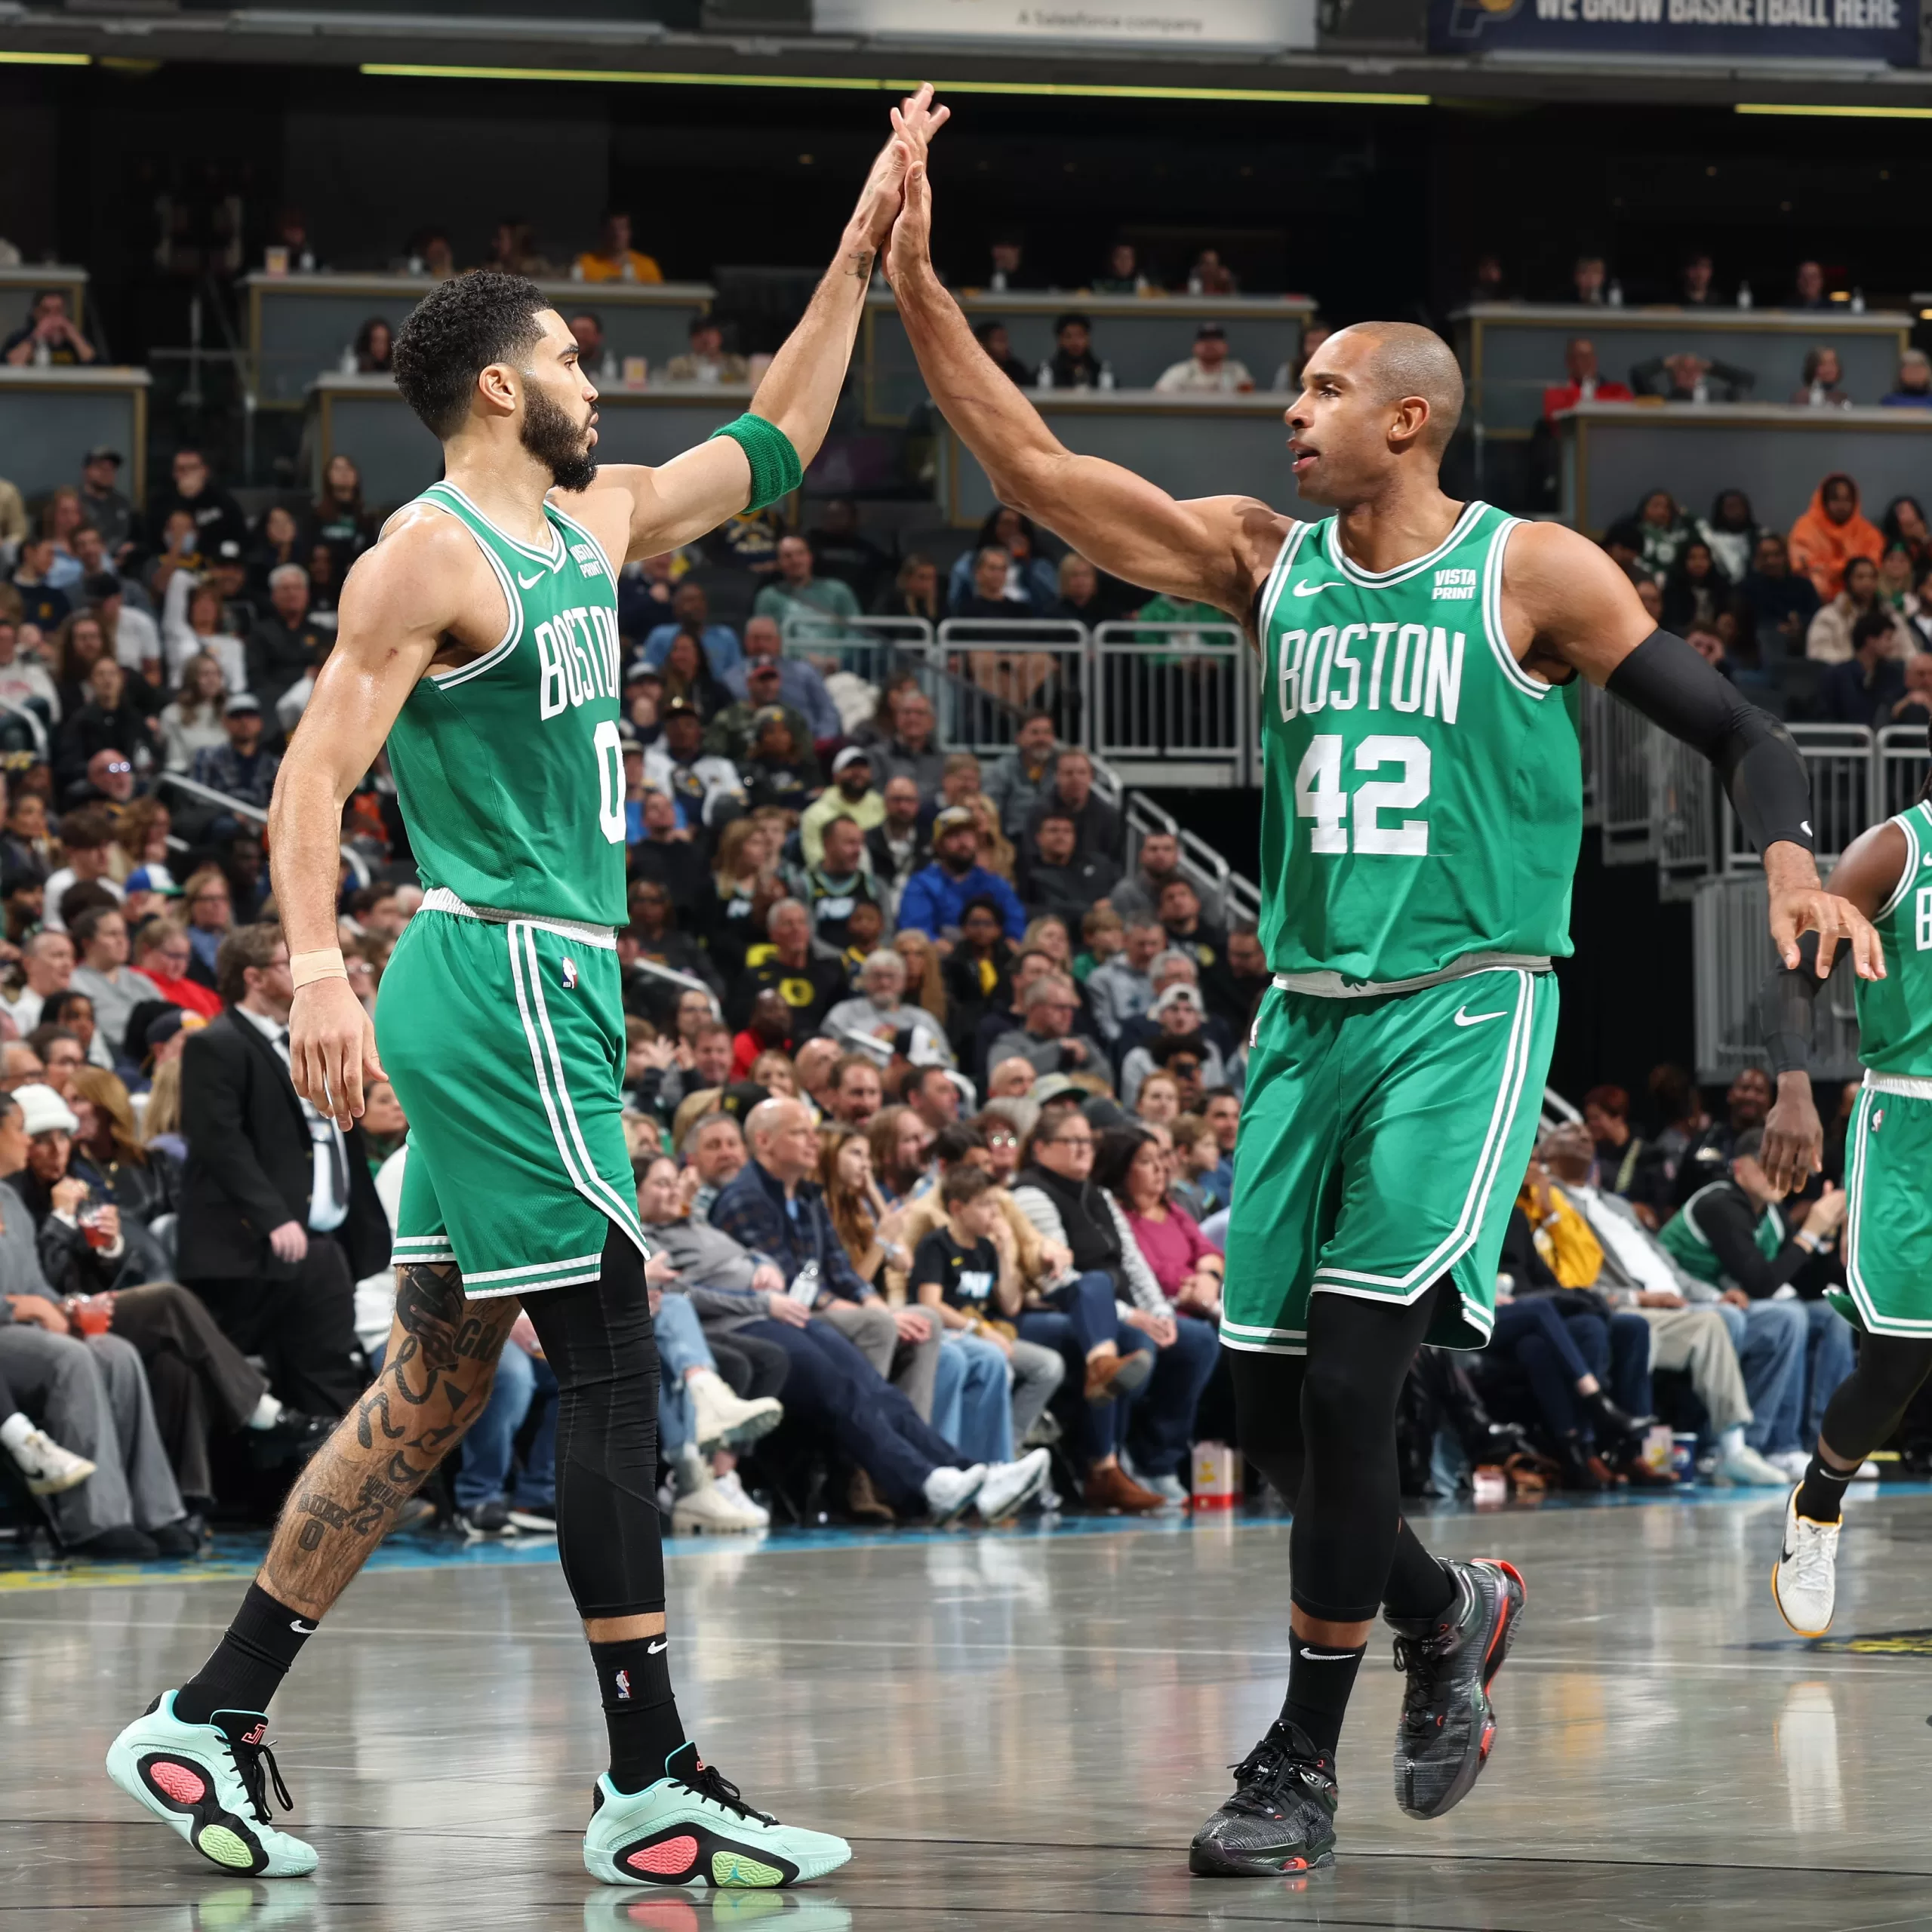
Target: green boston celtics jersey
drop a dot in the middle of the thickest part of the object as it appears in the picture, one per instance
(1895, 1013)
(1422, 794)
(508, 769)
(1683, 1238)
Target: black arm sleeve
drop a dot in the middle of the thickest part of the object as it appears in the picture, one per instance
(1785, 1003)
(1666, 681)
(1728, 1226)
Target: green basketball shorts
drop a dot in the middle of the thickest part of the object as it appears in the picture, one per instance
(1382, 1142)
(1888, 1208)
(505, 1040)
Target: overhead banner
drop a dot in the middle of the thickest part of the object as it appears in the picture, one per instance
(1868, 30)
(1250, 26)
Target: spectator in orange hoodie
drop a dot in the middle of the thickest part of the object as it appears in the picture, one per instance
(1830, 533)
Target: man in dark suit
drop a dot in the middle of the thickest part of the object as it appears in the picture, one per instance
(279, 1217)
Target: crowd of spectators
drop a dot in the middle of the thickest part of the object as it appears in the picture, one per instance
(933, 1078)
(1830, 621)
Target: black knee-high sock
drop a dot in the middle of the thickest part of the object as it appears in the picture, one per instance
(598, 1341)
(249, 1663)
(640, 1708)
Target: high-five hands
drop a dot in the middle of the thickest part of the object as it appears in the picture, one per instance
(915, 121)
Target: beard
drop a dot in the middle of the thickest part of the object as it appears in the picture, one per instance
(556, 442)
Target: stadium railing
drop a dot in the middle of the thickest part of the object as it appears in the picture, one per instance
(239, 808)
(1170, 703)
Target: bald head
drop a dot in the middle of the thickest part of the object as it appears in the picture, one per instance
(1404, 359)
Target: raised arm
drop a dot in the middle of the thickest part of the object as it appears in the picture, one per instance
(1566, 606)
(680, 500)
(1212, 549)
(399, 604)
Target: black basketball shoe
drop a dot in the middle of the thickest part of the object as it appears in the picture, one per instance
(1444, 1736)
(1281, 1817)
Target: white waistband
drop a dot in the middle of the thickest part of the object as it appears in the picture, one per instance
(1333, 986)
(1902, 1084)
(441, 899)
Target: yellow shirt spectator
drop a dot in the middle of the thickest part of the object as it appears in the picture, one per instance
(1570, 1249)
(614, 258)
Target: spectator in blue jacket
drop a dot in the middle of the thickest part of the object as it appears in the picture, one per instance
(936, 896)
(690, 612)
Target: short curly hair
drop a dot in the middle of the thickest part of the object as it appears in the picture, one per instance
(454, 333)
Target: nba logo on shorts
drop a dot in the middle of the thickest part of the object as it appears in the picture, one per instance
(570, 975)
(1877, 1118)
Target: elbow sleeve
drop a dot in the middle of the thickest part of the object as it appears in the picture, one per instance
(1760, 767)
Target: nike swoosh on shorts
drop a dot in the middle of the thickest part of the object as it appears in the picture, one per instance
(1464, 1018)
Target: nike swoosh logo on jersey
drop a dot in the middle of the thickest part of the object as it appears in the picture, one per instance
(1309, 589)
(528, 583)
(1464, 1018)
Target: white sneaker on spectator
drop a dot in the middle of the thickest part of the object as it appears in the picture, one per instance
(729, 1485)
(710, 1509)
(49, 1468)
(1793, 1462)
(723, 1419)
(1009, 1487)
(1744, 1469)
(948, 1492)
(1169, 1489)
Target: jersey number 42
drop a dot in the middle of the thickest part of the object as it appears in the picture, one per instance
(1353, 822)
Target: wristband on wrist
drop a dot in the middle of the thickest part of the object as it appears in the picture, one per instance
(325, 963)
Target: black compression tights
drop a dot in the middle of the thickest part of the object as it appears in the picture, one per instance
(1322, 1427)
(1865, 1407)
(597, 1340)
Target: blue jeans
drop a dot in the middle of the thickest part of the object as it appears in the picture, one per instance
(1161, 1423)
(1830, 1361)
(1086, 1317)
(971, 1406)
(680, 1346)
(1771, 1339)
(485, 1475)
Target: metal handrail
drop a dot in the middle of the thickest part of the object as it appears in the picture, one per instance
(255, 814)
(689, 981)
(239, 808)
(34, 724)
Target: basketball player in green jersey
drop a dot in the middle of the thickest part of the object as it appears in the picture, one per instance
(1420, 820)
(479, 638)
(1886, 873)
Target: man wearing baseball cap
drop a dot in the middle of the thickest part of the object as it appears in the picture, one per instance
(851, 795)
(101, 502)
(935, 896)
(731, 733)
(1210, 370)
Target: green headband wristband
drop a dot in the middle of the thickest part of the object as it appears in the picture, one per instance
(776, 470)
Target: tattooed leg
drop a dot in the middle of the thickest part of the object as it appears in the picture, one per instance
(436, 1378)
